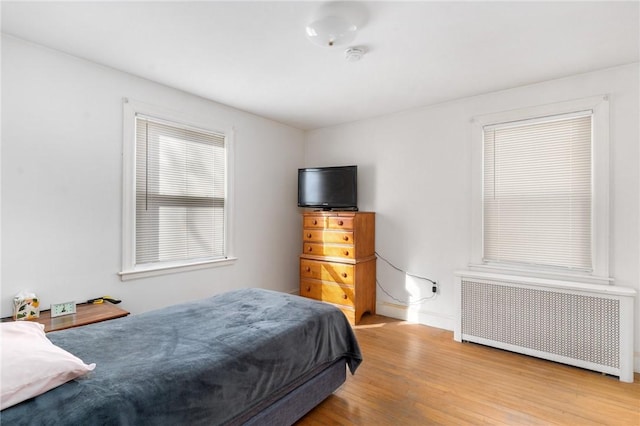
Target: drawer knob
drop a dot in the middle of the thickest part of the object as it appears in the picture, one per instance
(340, 223)
(310, 249)
(344, 275)
(346, 252)
(308, 288)
(344, 296)
(308, 269)
(308, 235)
(315, 222)
(346, 238)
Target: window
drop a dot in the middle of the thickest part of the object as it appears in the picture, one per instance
(542, 202)
(176, 209)
(537, 192)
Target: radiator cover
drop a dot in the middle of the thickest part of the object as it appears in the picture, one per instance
(586, 325)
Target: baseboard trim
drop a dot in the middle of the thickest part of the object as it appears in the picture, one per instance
(413, 314)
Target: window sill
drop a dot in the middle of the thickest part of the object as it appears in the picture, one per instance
(541, 273)
(165, 269)
(554, 284)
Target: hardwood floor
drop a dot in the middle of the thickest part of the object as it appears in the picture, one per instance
(418, 375)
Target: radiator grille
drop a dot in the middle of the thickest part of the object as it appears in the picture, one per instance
(571, 325)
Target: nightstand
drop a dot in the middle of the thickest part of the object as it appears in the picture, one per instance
(86, 313)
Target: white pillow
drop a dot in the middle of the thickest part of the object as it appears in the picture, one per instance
(31, 364)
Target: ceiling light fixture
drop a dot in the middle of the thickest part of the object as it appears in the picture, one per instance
(331, 31)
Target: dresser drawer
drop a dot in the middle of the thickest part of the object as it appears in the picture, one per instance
(314, 222)
(329, 250)
(321, 236)
(328, 222)
(327, 271)
(340, 223)
(310, 290)
(330, 293)
(338, 294)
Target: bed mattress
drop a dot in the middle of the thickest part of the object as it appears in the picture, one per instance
(206, 362)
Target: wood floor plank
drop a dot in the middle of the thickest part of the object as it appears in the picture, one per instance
(418, 375)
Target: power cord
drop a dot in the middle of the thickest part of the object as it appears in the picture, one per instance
(434, 285)
(404, 302)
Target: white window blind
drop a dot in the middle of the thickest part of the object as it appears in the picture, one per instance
(537, 192)
(180, 193)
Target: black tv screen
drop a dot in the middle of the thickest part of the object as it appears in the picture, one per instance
(328, 188)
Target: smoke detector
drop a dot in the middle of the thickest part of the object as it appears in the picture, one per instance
(354, 54)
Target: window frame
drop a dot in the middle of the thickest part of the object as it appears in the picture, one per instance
(600, 189)
(129, 268)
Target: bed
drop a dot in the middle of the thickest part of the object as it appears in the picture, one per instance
(250, 356)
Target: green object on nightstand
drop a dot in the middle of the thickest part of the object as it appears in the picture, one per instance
(65, 308)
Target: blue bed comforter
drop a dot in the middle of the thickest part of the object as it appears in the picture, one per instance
(205, 362)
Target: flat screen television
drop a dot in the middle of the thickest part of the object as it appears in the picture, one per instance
(328, 188)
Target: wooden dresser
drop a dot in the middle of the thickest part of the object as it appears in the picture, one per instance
(338, 262)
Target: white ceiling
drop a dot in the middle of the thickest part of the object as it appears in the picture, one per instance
(254, 56)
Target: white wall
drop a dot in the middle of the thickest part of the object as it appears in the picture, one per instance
(62, 186)
(414, 172)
